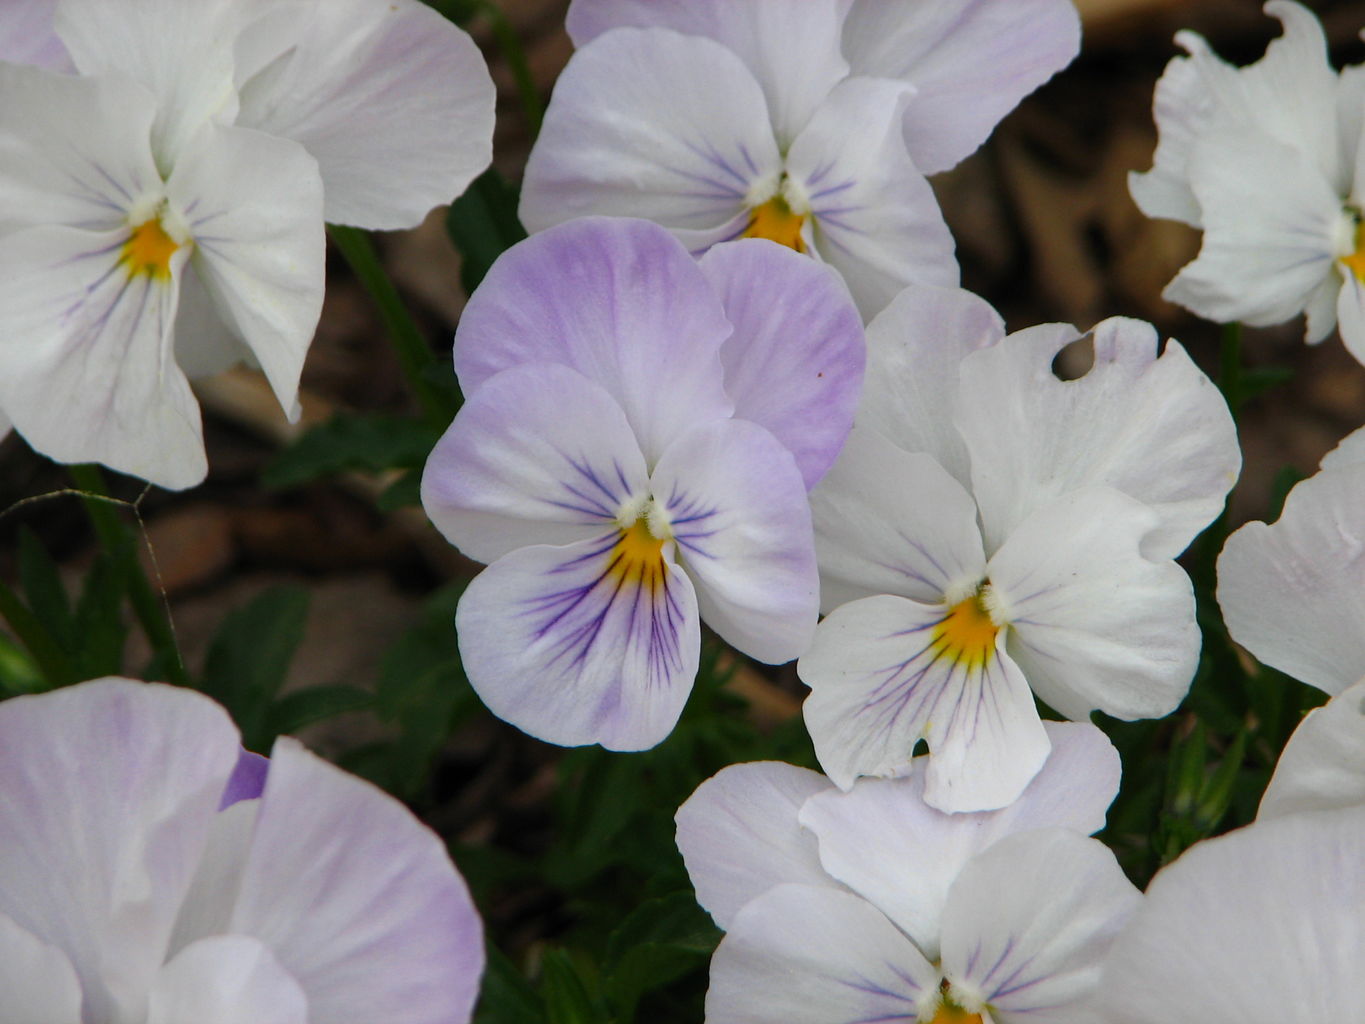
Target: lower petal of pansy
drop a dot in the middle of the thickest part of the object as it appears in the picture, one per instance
(86, 343)
(226, 979)
(886, 672)
(39, 984)
(1092, 622)
(804, 955)
(593, 642)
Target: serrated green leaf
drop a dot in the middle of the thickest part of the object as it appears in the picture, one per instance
(303, 707)
(347, 442)
(483, 224)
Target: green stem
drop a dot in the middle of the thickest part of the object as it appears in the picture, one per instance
(148, 604)
(510, 44)
(414, 355)
(52, 660)
(1230, 367)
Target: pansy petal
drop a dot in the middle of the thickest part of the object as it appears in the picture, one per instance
(739, 835)
(1260, 926)
(1271, 222)
(802, 955)
(619, 301)
(1350, 315)
(926, 849)
(790, 46)
(39, 985)
(649, 123)
(891, 522)
(212, 894)
(970, 61)
(582, 643)
(539, 454)
(110, 789)
(915, 347)
(1350, 451)
(254, 207)
(795, 361)
(357, 899)
(394, 102)
(1293, 594)
(1152, 426)
(1094, 623)
(1028, 922)
(881, 680)
(27, 35)
(876, 219)
(1323, 764)
(226, 979)
(742, 524)
(89, 368)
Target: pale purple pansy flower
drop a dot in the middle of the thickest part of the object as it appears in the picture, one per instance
(162, 213)
(842, 908)
(991, 532)
(152, 874)
(633, 456)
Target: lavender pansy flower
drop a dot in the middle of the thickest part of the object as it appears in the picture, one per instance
(633, 456)
(151, 874)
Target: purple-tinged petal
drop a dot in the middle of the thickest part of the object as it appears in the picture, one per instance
(110, 790)
(594, 642)
(538, 455)
(741, 520)
(970, 61)
(621, 302)
(212, 894)
(804, 955)
(357, 899)
(795, 362)
(648, 123)
(39, 984)
(1322, 767)
(247, 779)
(226, 979)
(876, 219)
(739, 835)
(883, 675)
(27, 35)
(394, 102)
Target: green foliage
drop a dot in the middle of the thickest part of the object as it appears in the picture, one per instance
(483, 225)
(351, 442)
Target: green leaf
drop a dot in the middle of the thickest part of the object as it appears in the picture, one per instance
(44, 590)
(303, 707)
(19, 672)
(368, 443)
(1258, 380)
(483, 225)
(405, 491)
(99, 622)
(659, 942)
(506, 997)
(565, 992)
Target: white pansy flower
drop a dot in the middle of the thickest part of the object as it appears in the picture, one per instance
(991, 532)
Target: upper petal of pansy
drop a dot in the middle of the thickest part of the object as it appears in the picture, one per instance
(38, 981)
(594, 642)
(1350, 451)
(619, 301)
(254, 209)
(1293, 594)
(791, 47)
(182, 52)
(915, 347)
(804, 955)
(394, 102)
(1260, 926)
(27, 35)
(539, 454)
(1323, 764)
(1092, 622)
(889, 521)
(876, 219)
(649, 123)
(970, 61)
(226, 979)
(1153, 427)
(738, 511)
(886, 671)
(883, 841)
(1028, 922)
(795, 361)
(357, 899)
(739, 835)
(1271, 231)
(110, 789)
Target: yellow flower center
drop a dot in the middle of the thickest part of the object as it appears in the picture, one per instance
(149, 250)
(638, 557)
(951, 1014)
(967, 634)
(1355, 262)
(774, 220)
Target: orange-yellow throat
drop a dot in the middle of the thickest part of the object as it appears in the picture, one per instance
(966, 636)
(1355, 262)
(775, 221)
(149, 250)
(638, 557)
(950, 1014)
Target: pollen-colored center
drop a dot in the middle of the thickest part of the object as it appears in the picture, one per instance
(1355, 262)
(950, 1014)
(638, 557)
(966, 635)
(774, 220)
(149, 250)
